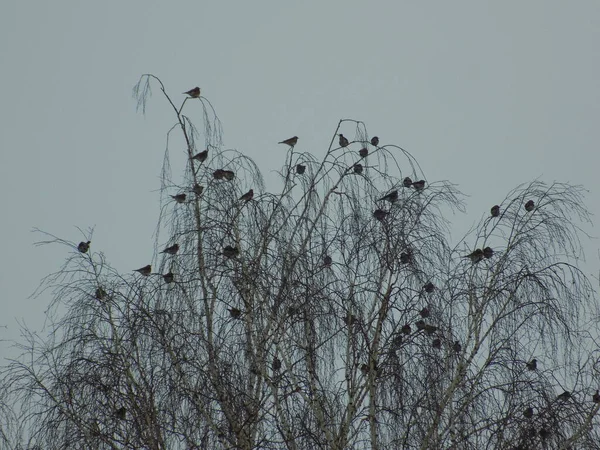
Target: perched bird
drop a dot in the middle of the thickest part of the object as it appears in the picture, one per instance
(146, 270)
(300, 169)
(430, 329)
(327, 261)
(397, 341)
(406, 329)
(228, 175)
(436, 343)
(488, 252)
(407, 182)
(529, 206)
(343, 141)
(363, 152)
(532, 365)
(121, 413)
(218, 174)
(475, 256)
(424, 313)
(230, 252)
(179, 198)
(564, 396)
(358, 168)
(276, 364)
(172, 249)
(350, 319)
(201, 157)
(420, 324)
(390, 197)
(194, 93)
(235, 313)
(596, 397)
(83, 247)
(419, 185)
(380, 214)
(544, 433)
(291, 141)
(457, 347)
(197, 189)
(375, 141)
(248, 195)
(429, 287)
(495, 211)
(168, 277)
(528, 413)
(100, 293)
(405, 257)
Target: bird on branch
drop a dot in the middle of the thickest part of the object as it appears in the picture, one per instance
(343, 141)
(146, 270)
(83, 247)
(194, 93)
(172, 249)
(291, 141)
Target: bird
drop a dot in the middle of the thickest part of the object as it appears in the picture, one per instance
(218, 174)
(363, 152)
(146, 270)
(424, 313)
(194, 93)
(488, 252)
(228, 175)
(596, 397)
(420, 324)
(179, 198)
(234, 312)
(564, 396)
(406, 329)
(300, 169)
(405, 257)
(380, 214)
(390, 197)
(350, 319)
(100, 293)
(172, 249)
(419, 185)
(291, 141)
(475, 256)
(529, 206)
(168, 277)
(532, 365)
(430, 329)
(248, 195)
(201, 156)
(276, 364)
(197, 189)
(343, 141)
(407, 182)
(528, 413)
(327, 261)
(358, 168)
(230, 252)
(457, 347)
(495, 211)
(83, 247)
(121, 413)
(429, 287)
(544, 433)
(375, 141)
(437, 343)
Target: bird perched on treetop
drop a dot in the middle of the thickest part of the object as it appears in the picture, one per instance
(532, 365)
(168, 277)
(358, 168)
(276, 364)
(197, 189)
(194, 93)
(100, 293)
(424, 313)
(363, 152)
(407, 182)
(528, 413)
(179, 198)
(291, 141)
(375, 141)
(234, 313)
(475, 256)
(146, 270)
(248, 195)
(218, 174)
(405, 329)
(343, 141)
(230, 251)
(121, 413)
(495, 211)
(596, 397)
(83, 247)
(172, 249)
(429, 287)
(390, 197)
(404, 257)
(488, 252)
(228, 175)
(300, 169)
(201, 156)
(380, 214)
(564, 396)
(419, 185)
(529, 206)
(327, 261)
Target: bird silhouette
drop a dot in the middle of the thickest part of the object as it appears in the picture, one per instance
(201, 157)
(235, 313)
(528, 413)
(219, 174)
(172, 249)
(276, 364)
(457, 347)
(168, 277)
(179, 198)
(596, 397)
(488, 252)
(544, 433)
(405, 257)
(350, 319)
(83, 247)
(194, 93)
(495, 211)
(358, 168)
(532, 365)
(375, 141)
(564, 396)
(248, 195)
(300, 169)
(424, 313)
(121, 413)
(436, 343)
(420, 324)
(228, 175)
(197, 189)
(429, 287)
(291, 141)
(406, 329)
(475, 256)
(327, 261)
(343, 141)
(380, 214)
(230, 252)
(529, 206)
(100, 293)
(390, 197)
(419, 185)
(407, 182)
(430, 329)
(146, 270)
(363, 152)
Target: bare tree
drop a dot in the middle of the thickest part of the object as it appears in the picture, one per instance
(333, 314)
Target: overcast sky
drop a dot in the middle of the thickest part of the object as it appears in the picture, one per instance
(484, 94)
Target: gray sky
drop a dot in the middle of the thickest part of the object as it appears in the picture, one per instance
(487, 95)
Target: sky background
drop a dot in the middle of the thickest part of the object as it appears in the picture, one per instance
(486, 95)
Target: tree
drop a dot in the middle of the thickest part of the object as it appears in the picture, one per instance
(303, 319)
